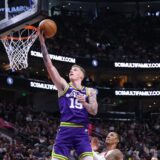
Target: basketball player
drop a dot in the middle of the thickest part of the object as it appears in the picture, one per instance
(111, 152)
(75, 102)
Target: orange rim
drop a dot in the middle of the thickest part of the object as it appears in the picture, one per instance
(22, 38)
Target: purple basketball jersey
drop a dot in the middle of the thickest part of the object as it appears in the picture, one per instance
(71, 109)
(72, 132)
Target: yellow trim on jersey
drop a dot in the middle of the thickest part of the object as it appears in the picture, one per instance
(65, 90)
(69, 124)
(84, 154)
(75, 87)
(60, 157)
(87, 92)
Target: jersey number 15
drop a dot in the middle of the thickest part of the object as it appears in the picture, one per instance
(75, 103)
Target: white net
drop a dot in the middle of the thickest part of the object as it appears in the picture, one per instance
(17, 48)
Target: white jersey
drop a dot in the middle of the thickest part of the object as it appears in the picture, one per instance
(109, 152)
(97, 156)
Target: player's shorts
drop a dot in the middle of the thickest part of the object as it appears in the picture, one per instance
(69, 136)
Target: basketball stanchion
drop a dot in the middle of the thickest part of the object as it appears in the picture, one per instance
(17, 45)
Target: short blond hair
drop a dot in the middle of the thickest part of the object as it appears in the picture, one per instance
(81, 68)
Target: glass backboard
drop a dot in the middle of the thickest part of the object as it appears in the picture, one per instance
(14, 13)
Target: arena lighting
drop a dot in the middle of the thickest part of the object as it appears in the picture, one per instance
(42, 85)
(136, 65)
(155, 113)
(137, 93)
(9, 80)
(120, 119)
(123, 113)
(94, 62)
(54, 57)
(98, 44)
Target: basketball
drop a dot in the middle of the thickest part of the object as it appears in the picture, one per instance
(48, 27)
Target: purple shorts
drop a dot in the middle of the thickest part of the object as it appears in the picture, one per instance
(69, 138)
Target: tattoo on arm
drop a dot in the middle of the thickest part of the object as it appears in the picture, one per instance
(93, 102)
(93, 98)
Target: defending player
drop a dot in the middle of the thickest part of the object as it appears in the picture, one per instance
(111, 152)
(75, 102)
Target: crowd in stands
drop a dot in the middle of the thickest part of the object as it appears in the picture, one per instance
(111, 37)
(34, 134)
(108, 36)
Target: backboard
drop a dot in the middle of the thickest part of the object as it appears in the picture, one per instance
(14, 14)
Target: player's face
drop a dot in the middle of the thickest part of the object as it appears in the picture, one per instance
(75, 73)
(112, 138)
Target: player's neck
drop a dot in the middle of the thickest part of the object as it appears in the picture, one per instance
(77, 84)
(111, 147)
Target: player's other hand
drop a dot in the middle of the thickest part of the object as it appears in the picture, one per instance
(81, 99)
(95, 143)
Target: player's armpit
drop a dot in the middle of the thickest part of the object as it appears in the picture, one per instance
(62, 92)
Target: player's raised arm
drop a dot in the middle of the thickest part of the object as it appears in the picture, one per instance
(59, 82)
(95, 143)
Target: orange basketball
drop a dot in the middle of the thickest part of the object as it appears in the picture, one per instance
(48, 27)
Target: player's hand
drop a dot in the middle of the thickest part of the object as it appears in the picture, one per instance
(95, 143)
(41, 37)
(81, 99)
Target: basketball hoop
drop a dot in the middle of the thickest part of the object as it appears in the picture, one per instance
(17, 45)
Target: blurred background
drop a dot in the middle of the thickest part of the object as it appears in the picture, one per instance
(118, 43)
